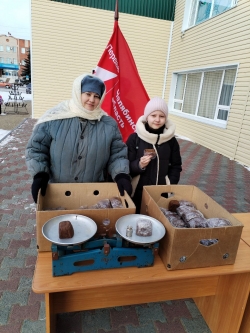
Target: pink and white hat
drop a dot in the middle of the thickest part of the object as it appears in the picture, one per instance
(155, 104)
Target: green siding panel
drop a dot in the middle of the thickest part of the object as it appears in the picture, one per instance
(159, 9)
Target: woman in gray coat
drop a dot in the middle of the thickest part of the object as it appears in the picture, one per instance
(76, 141)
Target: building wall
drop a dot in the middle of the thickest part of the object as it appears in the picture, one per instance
(12, 42)
(68, 40)
(221, 40)
(242, 151)
(23, 43)
(16, 55)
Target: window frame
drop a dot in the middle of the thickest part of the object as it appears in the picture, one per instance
(188, 12)
(215, 121)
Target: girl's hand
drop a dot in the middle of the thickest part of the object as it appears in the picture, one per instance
(144, 161)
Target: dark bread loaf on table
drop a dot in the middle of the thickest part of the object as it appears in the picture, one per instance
(66, 230)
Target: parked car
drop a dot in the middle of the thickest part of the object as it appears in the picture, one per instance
(28, 88)
(4, 84)
(24, 80)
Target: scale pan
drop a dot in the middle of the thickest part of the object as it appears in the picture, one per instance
(84, 229)
(158, 229)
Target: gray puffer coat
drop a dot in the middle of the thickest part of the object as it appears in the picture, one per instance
(70, 150)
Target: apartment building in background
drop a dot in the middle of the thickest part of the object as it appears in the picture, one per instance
(13, 52)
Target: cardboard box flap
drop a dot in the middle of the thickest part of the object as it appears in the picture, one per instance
(74, 196)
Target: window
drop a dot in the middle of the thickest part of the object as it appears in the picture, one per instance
(9, 72)
(8, 60)
(1, 59)
(204, 95)
(1, 47)
(197, 11)
(8, 48)
(23, 62)
(14, 61)
(23, 50)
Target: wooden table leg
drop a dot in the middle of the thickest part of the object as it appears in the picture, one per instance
(245, 324)
(224, 311)
(50, 315)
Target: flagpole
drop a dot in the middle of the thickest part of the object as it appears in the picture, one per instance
(118, 70)
(116, 11)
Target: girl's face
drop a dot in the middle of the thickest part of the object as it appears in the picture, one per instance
(156, 119)
(90, 100)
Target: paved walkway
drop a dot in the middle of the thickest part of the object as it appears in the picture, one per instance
(11, 120)
(23, 311)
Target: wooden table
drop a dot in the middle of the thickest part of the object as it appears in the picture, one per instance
(220, 292)
(245, 219)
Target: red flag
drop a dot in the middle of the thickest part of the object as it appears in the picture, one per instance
(126, 96)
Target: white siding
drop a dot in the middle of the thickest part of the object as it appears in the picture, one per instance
(68, 40)
(221, 40)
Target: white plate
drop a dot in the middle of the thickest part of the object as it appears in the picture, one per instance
(158, 229)
(84, 229)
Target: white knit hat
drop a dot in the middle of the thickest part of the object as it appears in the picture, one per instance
(155, 104)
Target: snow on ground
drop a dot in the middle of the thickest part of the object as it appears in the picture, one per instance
(3, 133)
(5, 94)
(183, 137)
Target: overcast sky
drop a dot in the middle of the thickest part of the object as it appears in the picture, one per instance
(15, 18)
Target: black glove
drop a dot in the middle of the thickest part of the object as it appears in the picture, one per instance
(124, 183)
(40, 181)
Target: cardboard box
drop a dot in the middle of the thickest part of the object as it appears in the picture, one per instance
(71, 197)
(180, 248)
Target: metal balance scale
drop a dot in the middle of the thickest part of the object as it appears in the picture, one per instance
(86, 251)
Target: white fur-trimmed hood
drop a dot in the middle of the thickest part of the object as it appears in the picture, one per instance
(167, 134)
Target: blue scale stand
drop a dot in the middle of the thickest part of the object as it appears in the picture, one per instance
(101, 253)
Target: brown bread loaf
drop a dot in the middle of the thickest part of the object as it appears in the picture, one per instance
(66, 230)
(173, 205)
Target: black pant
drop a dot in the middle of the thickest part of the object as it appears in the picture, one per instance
(137, 200)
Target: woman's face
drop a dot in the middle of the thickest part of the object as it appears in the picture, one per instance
(156, 119)
(90, 100)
